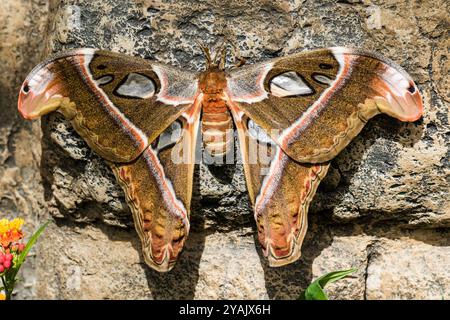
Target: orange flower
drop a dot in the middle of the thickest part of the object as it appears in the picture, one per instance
(10, 231)
(2, 296)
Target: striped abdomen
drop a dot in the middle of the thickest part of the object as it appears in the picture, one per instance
(217, 126)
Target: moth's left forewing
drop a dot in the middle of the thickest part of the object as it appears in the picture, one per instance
(314, 103)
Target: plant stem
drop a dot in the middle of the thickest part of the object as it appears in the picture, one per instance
(8, 292)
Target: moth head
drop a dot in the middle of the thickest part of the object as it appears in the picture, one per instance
(212, 81)
(41, 92)
(219, 58)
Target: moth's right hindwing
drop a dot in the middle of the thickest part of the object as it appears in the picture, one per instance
(158, 188)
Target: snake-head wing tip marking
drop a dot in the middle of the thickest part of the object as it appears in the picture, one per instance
(40, 94)
(399, 96)
(161, 252)
(396, 94)
(278, 257)
(43, 91)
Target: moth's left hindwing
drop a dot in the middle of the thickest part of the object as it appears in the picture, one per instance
(139, 116)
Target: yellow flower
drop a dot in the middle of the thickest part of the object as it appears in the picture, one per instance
(4, 225)
(13, 225)
(16, 224)
(10, 231)
(2, 296)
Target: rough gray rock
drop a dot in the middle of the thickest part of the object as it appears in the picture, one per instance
(384, 207)
(21, 191)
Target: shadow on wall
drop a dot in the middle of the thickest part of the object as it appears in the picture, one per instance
(289, 281)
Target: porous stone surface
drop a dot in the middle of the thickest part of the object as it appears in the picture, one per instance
(22, 33)
(384, 207)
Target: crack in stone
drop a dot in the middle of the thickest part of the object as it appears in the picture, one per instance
(370, 249)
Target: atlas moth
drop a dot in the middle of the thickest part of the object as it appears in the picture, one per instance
(303, 109)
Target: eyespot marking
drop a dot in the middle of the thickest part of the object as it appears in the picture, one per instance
(321, 78)
(136, 86)
(104, 80)
(325, 66)
(101, 67)
(26, 88)
(289, 84)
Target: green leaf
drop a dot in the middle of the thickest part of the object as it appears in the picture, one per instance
(315, 291)
(26, 250)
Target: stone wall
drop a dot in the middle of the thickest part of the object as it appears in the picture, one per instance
(384, 207)
(22, 38)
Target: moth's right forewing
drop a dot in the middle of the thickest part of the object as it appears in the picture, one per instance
(119, 104)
